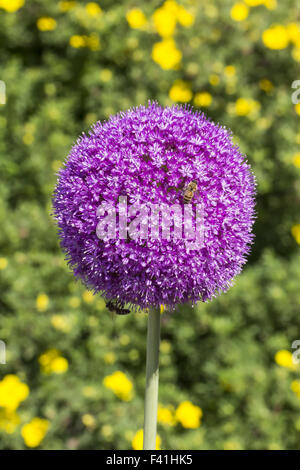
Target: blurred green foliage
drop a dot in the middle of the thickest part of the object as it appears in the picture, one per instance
(68, 64)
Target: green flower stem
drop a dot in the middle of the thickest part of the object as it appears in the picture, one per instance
(152, 367)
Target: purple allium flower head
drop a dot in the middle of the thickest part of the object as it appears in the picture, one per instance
(149, 154)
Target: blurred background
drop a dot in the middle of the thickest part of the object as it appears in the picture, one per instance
(74, 375)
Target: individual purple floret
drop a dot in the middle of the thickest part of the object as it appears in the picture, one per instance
(150, 154)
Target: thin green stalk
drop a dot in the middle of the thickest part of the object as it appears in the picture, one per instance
(152, 367)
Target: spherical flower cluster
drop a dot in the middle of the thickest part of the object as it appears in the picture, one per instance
(149, 154)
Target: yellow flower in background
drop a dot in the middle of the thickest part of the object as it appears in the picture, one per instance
(266, 85)
(167, 15)
(296, 160)
(230, 70)
(138, 440)
(11, 5)
(12, 392)
(166, 54)
(136, 18)
(263, 123)
(92, 42)
(9, 420)
(270, 4)
(184, 17)
(88, 420)
(297, 108)
(293, 32)
(296, 54)
(214, 79)
(88, 297)
(42, 302)
(46, 23)
(77, 41)
(52, 362)
(101, 304)
(105, 75)
(89, 391)
(239, 12)
(59, 365)
(34, 432)
(3, 263)
(254, 3)
(28, 139)
(296, 232)
(284, 358)
(61, 323)
(276, 37)
(164, 21)
(93, 9)
(165, 346)
(295, 387)
(109, 358)
(124, 339)
(66, 6)
(165, 415)
(171, 5)
(246, 106)
(203, 99)
(180, 91)
(189, 415)
(74, 302)
(119, 383)
(162, 308)
(232, 445)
